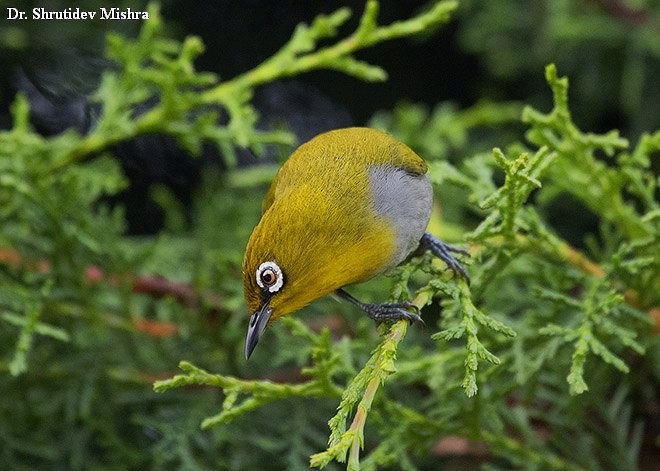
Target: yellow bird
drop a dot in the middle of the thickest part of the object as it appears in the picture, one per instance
(346, 206)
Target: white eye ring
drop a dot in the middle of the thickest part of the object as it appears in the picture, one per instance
(270, 266)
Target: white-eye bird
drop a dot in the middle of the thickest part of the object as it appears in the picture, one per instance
(346, 206)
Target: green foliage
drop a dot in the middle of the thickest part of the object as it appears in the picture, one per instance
(576, 302)
(263, 392)
(541, 358)
(609, 49)
(359, 395)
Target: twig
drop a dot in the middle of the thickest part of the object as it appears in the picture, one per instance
(364, 387)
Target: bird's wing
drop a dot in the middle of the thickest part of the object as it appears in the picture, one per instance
(407, 160)
(310, 160)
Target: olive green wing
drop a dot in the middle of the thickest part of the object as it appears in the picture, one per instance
(372, 146)
(406, 159)
(380, 148)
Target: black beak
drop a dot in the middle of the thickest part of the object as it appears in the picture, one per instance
(258, 323)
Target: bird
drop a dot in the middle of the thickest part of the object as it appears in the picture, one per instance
(346, 206)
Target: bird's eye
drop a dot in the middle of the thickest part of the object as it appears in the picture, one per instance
(269, 276)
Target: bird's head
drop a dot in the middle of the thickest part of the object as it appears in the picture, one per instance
(288, 264)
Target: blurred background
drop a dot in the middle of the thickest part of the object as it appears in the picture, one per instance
(491, 50)
(88, 403)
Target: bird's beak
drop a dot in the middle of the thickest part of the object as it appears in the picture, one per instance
(258, 323)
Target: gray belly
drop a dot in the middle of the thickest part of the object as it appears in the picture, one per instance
(406, 200)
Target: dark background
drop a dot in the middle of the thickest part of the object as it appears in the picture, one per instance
(489, 51)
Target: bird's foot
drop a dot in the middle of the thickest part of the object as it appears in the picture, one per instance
(443, 252)
(393, 312)
(386, 312)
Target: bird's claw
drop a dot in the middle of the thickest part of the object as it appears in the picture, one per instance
(393, 312)
(443, 252)
(385, 312)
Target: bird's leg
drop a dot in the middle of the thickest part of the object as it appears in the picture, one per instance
(443, 252)
(384, 312)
